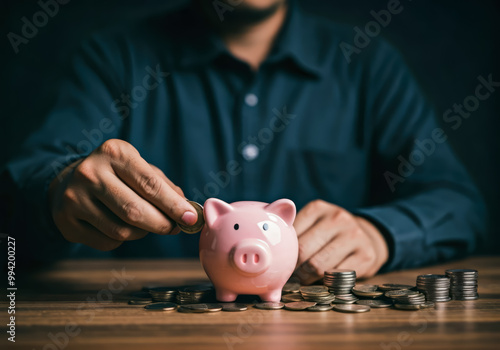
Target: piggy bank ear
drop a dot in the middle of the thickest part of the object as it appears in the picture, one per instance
(214, 208)
(284, 208)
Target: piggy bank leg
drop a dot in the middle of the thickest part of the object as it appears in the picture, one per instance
(225, 295)
(273, 295)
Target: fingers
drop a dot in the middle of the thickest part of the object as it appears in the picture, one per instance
(314, 238)
(130, 207)
(84, 233)
(168, 181)
(312, 213)
(103, 219)
(151, 186)
(358, 262)
(328, 256)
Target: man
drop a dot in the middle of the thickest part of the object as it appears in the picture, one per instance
(245, 101)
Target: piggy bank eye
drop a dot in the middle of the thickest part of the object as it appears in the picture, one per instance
(265, 227)
(236, 226)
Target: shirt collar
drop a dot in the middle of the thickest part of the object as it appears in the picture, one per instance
(199, 44)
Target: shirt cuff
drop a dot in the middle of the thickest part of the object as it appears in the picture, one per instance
(403, 235)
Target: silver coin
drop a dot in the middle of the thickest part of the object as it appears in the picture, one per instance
(351, 308)
(270, 305)
(198, 224)
(199, 308)
(320, 307)
(407, 306)
(427, 305)
(462, 271)
(234, 307)
(139, 302)
(400, 292)
(161, 306)
(393, 286)
(374, 303)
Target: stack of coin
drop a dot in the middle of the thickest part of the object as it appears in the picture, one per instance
(463, 284)
(194, 294)
(317, 294)
(345, 299)
(163, 294)
(406, 299)
(367, 291)
(435, 287)
(340, 281)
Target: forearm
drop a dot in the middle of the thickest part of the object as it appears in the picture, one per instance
(431, 226)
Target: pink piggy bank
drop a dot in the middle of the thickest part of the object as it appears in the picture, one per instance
(249, 247)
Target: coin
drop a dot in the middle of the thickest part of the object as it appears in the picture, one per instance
(367, 290)
(288, 298)
(270, 306)
(351, 308)
(163, 294)
(291, 287)
(376, 303)
(320, 307)
(340, 281)
(234, 307)
(393, 286)
(199, 223)
(463, 284)
(314, 290)
(435, 287)
(299, 305)
(139, 302)
(161, 306)
(400, 292)
(200, 308)
(427, 305)
(407, 306)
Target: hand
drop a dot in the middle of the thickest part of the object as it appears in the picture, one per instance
(331, 237)
(114, 195)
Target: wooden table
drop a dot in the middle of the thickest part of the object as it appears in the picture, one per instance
(83, 305)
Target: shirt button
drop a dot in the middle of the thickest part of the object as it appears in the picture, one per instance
(251, 100)
(250, 152)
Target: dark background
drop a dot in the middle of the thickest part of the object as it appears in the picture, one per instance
(446, 43)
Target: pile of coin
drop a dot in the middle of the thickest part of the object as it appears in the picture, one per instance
(195, 294)
(435, 287)
(340, 281)
(317, 294)
(336, 294)
(407, 299)
(163, 294)
(463, 284)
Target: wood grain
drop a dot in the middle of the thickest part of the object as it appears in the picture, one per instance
(89, 296)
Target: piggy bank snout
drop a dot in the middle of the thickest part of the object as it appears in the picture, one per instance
(251, 256)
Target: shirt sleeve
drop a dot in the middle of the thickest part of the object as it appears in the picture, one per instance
(421, 198)
(82, 118)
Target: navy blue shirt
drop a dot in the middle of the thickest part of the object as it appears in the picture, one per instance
(307, 125)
